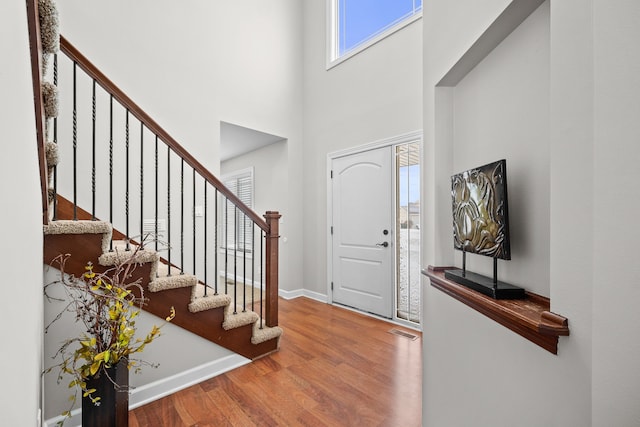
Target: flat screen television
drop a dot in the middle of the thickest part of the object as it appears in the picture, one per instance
(481, 210)
(481, 226)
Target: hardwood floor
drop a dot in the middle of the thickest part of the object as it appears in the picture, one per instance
(334, 368)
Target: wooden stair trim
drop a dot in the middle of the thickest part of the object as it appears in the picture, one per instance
(36, 77)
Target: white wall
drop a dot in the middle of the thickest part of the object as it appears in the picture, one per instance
(21, 215)
(371, 96)
(616, 349)
(469, 360)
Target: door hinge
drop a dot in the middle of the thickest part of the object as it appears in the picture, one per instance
(331, 285)
(331, 174)
(332, 229)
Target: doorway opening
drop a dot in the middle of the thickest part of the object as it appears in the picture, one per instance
(407, 225)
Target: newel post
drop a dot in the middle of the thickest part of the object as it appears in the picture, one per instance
(271, 267)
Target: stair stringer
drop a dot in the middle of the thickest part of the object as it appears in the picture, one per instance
(210, 317)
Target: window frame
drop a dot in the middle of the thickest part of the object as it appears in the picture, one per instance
(333, 58)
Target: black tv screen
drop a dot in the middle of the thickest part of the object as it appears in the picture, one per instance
(480, 210)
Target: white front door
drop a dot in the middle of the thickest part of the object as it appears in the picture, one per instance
(362, 241)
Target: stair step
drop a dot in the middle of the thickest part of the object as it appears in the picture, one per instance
(81, 227)
(77, 227)
(169, 277)
(120, 254)
(238, 319)
(264, 334)
(172, 282)
(200, 302)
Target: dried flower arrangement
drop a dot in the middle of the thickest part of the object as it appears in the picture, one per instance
(107, 306)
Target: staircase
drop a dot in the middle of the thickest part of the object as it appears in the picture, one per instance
(114, 181)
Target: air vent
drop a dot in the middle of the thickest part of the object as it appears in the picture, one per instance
(149, 228)
(403, 334)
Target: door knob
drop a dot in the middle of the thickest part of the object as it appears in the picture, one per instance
(383, 244)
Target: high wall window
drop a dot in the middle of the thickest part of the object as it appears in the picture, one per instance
(237, 227)
(355, 25)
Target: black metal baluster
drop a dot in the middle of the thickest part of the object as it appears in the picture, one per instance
(168, 211)
(111, 167)
(194, 222)
(262, 243)
(226, 244)
(205, 238)
(235, 259)
(253, 264)
(244, 262)
(182, 217)
(155, 237)
(126, 193)
(75, 144)
(215, 247)
(142, 235)
(55, 140)
(93, 151)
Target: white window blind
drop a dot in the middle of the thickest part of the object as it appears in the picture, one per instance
(238, 230)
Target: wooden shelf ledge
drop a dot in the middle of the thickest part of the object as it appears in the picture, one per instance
(529, 317)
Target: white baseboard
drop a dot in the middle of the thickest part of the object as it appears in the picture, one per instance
(303, 293)
(169, 385)
(158, 389)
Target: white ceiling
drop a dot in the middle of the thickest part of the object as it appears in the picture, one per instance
(237, 140)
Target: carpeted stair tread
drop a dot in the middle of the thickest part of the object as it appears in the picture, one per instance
(238, 319)
(202, 302)
(77, 227)
(165, 270)
(81, 227)
(120, 254)
(169, 277)
(264, 334)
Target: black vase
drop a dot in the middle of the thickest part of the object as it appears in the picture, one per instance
(113, 410)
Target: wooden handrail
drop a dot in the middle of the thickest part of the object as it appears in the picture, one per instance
(152, 125)
(36, 73)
